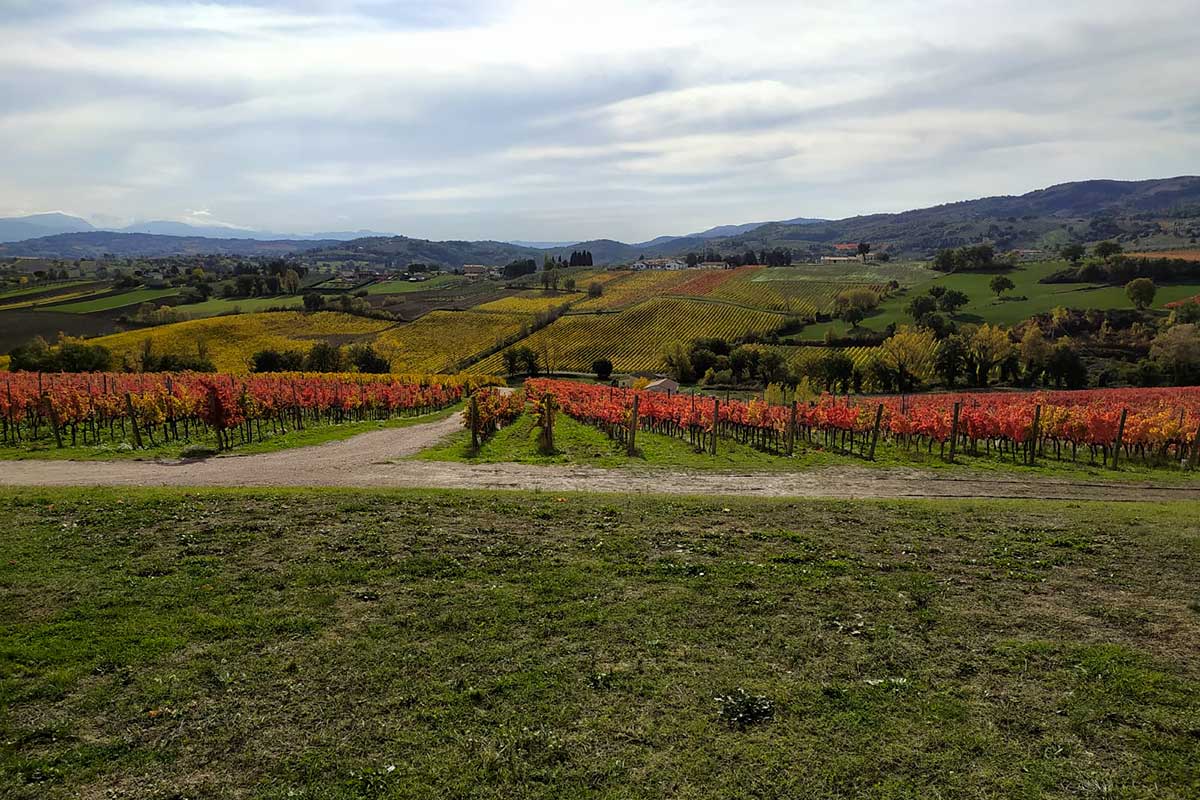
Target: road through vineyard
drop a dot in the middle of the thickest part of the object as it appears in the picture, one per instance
(375, 459)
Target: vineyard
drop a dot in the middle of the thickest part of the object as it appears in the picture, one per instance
(634, 339)
(442, 340)
(748, 286)
(230, 341)
(149, 409)
(1154, 426)
(633, 287)
(535, 302)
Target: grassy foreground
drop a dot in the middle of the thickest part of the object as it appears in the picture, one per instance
(319, 644)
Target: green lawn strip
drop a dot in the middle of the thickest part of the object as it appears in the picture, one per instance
(366, 644)
(1028, 298)
(585, 445)
(40, 288)
(235, 305)
(405, 286)
(310, 435)
(110, 302)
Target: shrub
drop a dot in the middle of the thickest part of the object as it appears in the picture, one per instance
(740, 709)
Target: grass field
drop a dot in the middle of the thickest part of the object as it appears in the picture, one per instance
(315, 644)
(230, 341)
(751, 286)
(1028, 298)
(242, 305)
(41, 288)
(634, 339)
(120, 300)
(405, 287)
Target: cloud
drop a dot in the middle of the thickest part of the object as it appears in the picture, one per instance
(540, 119)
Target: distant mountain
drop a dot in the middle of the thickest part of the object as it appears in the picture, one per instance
(1143, 214)
(15, 229)
(172, 228)
(541, 245)
(97, 244)
(722, 231)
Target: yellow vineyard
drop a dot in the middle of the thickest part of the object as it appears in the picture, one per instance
(440, 340)
(634, 287)
(634, 340)
(229, 342)
(534, 302)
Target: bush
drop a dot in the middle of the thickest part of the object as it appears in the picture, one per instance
(603, 368)
(71, 355)
(740, 709)
(276, 361)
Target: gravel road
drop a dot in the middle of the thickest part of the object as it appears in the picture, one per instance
(375, 459)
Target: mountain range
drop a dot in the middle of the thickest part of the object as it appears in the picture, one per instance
(18, 229)
(1151, 213)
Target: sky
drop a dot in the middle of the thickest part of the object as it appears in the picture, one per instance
(539, 120)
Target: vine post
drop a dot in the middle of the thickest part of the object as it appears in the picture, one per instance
(716, 416)
(473, 420)
(1194, 456)
(875, 431)
(954, 430)
(137, 434)
(791, 431)
(631, 445)
(1034, 433)
(1120, 437)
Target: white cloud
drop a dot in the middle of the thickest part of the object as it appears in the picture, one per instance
(553, 120)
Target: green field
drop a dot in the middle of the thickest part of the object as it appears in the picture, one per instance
(8, 294)
(1028, 298)
(121, 300)
(404, 287)
(244, 305)
(314, 644)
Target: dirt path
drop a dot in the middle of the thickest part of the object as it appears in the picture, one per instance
(370, 460)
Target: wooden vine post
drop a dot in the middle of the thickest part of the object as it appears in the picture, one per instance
(1034, 433)
(631, 442)
(1194, 456)
(53, 414)
(954, 430)
(1120, 437)
(473, 421)
(875, 431)
(791, 432)
(137, 434)
(717, 415)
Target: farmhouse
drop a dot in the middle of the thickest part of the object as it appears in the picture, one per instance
(658, 263)
(663, 385)
(476, 271)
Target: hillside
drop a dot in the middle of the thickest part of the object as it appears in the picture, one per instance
(1143, 214)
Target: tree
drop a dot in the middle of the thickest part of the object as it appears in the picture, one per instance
(678, 362)
(313, 302)
(1035, 353)
(1107, 249)
(988, 347)
(952, 300)
(1177, 351)
(834, 368)
(692, 259)
(291, 281)
(1066, 367)
(1072, 252)
(276, 361)
(603, 368)
(951, 360)
(1001, 284)
(1140, 292)
(853, 315)
(910, 354)
(367, 359)
(863, 249)
(512, 360)
(595, 289)
(920, 306)
(324, 357)
(530, 361)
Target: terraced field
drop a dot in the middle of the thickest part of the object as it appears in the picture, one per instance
(438, 341)
(634, 339)
(230, 341)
